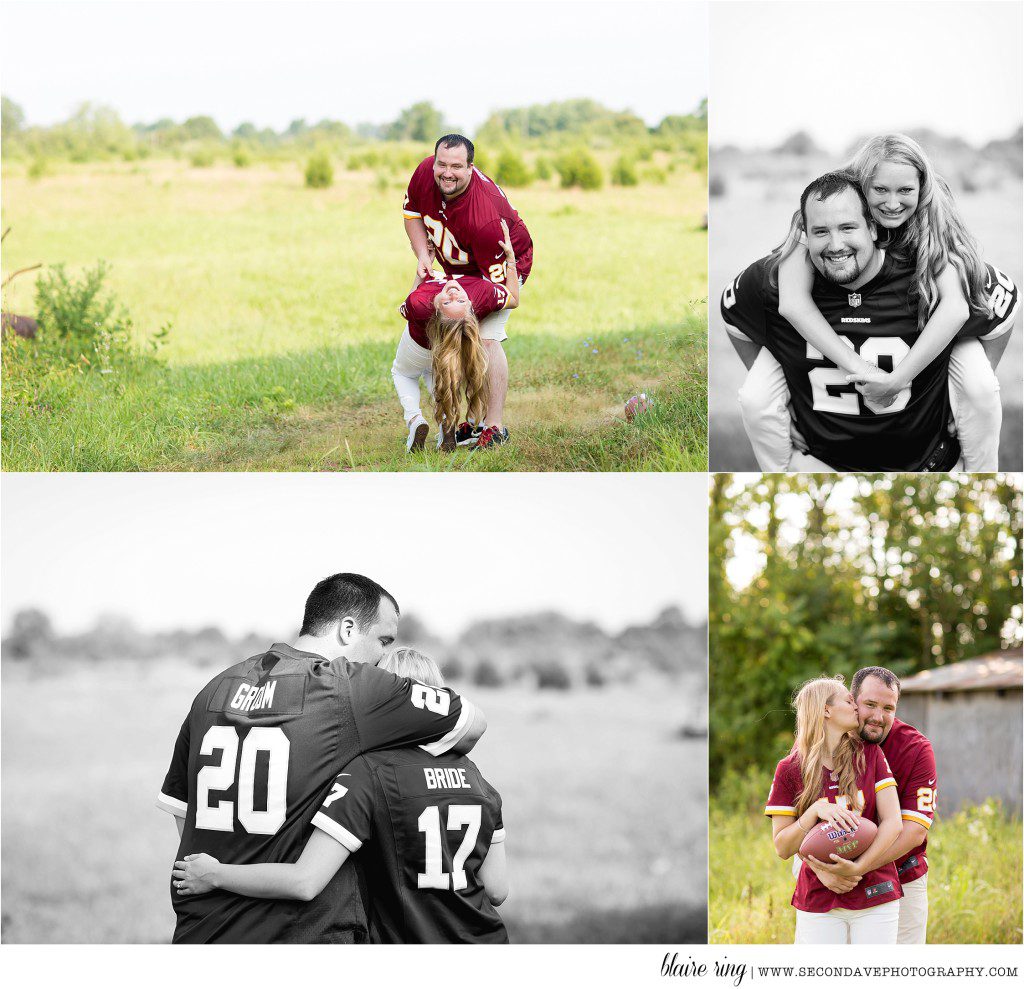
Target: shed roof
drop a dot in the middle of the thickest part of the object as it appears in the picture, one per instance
(993, 671)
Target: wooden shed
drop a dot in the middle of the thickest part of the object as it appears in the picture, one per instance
(972, 712)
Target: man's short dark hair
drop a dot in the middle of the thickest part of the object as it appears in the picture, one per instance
(344, 594)
(831, 184)
(456, 141)
(886, 676)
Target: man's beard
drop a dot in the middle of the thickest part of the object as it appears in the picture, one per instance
(872, 741)
(851, 271)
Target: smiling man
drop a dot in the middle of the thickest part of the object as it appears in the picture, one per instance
(453, 206)
(912, 761)
(867, 297)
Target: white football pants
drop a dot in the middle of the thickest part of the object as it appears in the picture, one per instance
(914, 912)
(873, 925)
(412, 363)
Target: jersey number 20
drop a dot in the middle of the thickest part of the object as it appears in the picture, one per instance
(219, 816)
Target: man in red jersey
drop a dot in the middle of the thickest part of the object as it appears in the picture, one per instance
(263, 743)
(912, 761)
(457, 209)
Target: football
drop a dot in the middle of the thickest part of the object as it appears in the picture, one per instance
(636, 405)
(825, 838)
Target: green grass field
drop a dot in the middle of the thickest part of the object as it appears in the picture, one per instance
(974, 879)
(603, 802)
(283, 303)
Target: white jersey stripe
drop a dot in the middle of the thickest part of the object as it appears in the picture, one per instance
(341, 835)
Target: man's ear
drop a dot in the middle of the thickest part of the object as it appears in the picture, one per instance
(347, 628)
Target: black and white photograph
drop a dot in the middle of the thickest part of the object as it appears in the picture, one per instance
(865, 217)
(266, 709)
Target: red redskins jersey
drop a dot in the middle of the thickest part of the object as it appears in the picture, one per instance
(427, 824)
(466, 230)
(912, 760)
(485, 296)
(255, 758)
(879, 885)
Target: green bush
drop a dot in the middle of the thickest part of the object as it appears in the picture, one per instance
(512, 170)
(580, 168)
(241, 157)
(38, 168)
(319, 171)
(654, 175)
(552, 676)
(542, 168)
(202, 158)
(624, 172)
(482, 161)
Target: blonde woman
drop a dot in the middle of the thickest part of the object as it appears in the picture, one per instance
(918, 224)
(442, 346)
(434, 856)
(830, 775)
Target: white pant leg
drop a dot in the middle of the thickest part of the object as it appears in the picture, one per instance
(804, 463)
(822, 928)
(914, 912)
(764, 404)
(875, 925)
(412, 362)
(977, 409)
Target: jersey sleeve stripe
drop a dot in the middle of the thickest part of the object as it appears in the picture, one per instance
(735, 331)
(411, 215)
(172, 805)
(498, 835)
(912, 815)
(1005, 326)
(453, 737)
(779, 810)
(882, 784)
(341, 835)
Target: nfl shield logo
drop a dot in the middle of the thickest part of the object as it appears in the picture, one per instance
(854, 298)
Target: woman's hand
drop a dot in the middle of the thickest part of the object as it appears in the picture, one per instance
(835, 814)
(506, 244)
(195, 874)
(878, 387)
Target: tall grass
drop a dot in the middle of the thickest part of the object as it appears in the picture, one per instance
(974, 878)
(283, 305)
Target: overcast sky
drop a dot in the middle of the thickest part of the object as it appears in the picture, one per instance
(242, 551)
(273, 62)
(843, 70)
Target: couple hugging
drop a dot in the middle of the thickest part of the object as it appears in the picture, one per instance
(323, 796)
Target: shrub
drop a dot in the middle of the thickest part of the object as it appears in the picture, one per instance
(579, 167)
(241, 157)
(552, 676)
(319, 171)
(203, 158)
(542, 168)
(382, 182)
(655, 175)
(38, 168)
(596, 675)
(716, 184)
(482, 161)
(487, 674)
(512, 170)
(624, 172)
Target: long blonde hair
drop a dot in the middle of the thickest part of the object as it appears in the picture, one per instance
(459, 365)
(847, 759)
(406, 662)
(931, 238)
(934, 235)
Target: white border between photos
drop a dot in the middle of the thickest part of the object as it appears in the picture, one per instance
(157, 967)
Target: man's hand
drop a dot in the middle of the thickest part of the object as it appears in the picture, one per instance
(796, 437)
(194, 874)
(877, 386)
(830, 880)
(837, 867)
